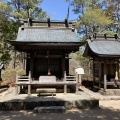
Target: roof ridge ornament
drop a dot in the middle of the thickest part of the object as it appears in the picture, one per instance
(100, 36)
(66, 23)
(67, 16)
(48, 20)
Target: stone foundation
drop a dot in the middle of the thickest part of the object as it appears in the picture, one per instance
(24, 105)
(110, 93)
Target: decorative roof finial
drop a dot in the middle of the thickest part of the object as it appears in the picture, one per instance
(67, 16)
(28, 12)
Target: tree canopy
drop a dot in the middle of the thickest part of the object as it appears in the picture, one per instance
(18, 9)
(97, 16)
(10, 13)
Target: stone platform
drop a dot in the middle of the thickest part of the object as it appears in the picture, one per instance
(10, 101)
(110, 92)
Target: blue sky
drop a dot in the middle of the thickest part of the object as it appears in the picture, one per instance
(57, 9)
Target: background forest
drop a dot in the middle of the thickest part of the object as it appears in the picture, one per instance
(101, 16)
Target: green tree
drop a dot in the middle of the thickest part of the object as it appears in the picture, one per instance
(92, 16)
(95, 18)
(18, 9)
(112, 9)
(11, 11)
(8, 30)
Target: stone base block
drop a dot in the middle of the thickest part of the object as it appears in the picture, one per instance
(50, 109)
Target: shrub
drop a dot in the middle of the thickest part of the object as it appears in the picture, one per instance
(9, 76)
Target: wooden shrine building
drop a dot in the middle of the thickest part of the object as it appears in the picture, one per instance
(104, 50)
(47, 45)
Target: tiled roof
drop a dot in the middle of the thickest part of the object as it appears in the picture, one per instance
(45, 34)
(103, 47)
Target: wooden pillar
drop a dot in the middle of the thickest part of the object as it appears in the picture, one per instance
(14, 59)
(0, 75)
(79, 79)
(31, 65)
(63, 65)
(25, 55)
(27, 64)
(77, 83)
(29, 89)
(117, 71)
(105, 77)
(119, 68)
(93, 73)
(100, 75)
(16, 90)
(67, 65)
(30, 77)
(65, 86)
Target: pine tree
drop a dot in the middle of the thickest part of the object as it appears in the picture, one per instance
(93, 16)
(18, 8)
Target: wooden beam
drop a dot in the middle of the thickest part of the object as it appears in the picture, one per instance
(50, 56)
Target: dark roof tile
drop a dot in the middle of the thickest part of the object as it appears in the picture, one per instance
(105, 47)
(47, 35)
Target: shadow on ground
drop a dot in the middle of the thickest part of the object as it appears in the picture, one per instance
(102, 113)
(25, 102)
(89, 114)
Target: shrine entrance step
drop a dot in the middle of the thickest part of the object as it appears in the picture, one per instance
(50, 109)
(46, 90)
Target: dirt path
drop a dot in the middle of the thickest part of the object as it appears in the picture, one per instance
(109, 110)
(111, 104)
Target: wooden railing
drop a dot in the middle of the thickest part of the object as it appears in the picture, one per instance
(23, 79)
(70, 79)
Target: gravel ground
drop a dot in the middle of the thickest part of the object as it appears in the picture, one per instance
(109, 110)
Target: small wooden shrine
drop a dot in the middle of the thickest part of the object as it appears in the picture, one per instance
(47, 45)
(104, 51)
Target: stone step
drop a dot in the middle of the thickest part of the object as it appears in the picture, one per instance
(3, 89)
(50, 109)
(46, 94)
(30, 104)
